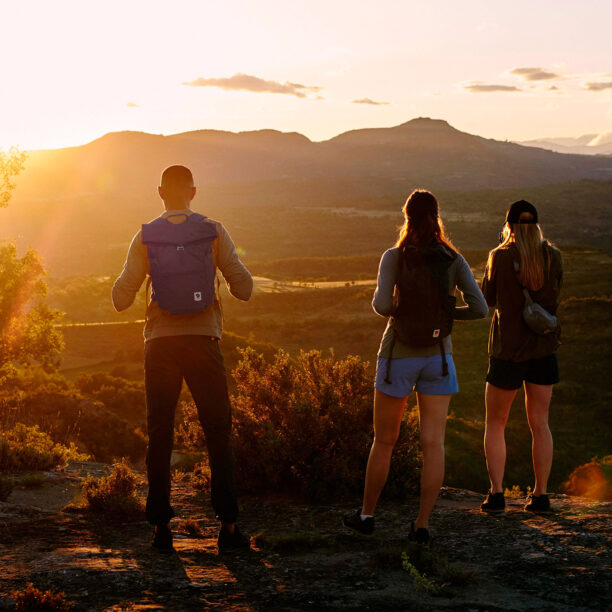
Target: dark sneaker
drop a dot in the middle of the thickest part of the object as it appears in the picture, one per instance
(354, 521)
(232, 541)
(494, 502)
(420, 535)
(537, 503)
(162, 540)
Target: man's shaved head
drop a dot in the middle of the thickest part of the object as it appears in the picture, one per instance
(176, 188)
(175, 177)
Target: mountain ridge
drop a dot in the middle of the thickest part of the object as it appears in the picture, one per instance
(81, 199)
(422, 150)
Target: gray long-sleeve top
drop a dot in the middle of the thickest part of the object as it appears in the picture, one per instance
(459, 277)
(159, 323)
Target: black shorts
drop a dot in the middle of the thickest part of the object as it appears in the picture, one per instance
(511, 374)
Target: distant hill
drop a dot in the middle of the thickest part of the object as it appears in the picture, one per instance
(588, 144)
(422, 150)
(76, 205)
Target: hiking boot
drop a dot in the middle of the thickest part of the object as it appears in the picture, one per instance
(162, 539)
(364, 526)
(493, 503)
(537, 503)
(227, 541)
(420, 535)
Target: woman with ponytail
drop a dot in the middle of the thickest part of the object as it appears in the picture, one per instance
(406, 362)
(519, 356)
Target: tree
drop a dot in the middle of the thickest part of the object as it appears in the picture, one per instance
(27, 332)
(11, 164)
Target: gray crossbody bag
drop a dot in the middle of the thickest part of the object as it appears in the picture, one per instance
(537, 318)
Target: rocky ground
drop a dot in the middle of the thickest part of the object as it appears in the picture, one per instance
(302, 558)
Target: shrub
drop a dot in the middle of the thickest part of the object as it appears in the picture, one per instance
(200, 477)
(189, 432)
(67, 416)
(32, 599)
(25, 448)
(516, 492)
(304, 426)
(116, 494)
(122, 397)
(34, 377)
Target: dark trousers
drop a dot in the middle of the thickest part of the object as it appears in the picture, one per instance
(198, 360)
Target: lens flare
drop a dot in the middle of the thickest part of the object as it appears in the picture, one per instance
(592, 480)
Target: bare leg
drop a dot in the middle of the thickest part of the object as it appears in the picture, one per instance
(433, 410)
(537, 402)
(498, 402)
(387, 419)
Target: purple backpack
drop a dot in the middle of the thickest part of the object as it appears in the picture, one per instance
(180, 263)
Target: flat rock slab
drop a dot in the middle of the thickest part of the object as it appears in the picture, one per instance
(305, 558)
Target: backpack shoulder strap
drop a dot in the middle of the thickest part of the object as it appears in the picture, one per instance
(400, 256)
(147, 302)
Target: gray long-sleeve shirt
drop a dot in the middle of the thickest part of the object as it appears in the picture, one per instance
(159, 323)
(459, 277)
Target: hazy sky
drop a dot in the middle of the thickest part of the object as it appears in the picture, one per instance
(74, 70)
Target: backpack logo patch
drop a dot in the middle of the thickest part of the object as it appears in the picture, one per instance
(436, 333)
(197, 296)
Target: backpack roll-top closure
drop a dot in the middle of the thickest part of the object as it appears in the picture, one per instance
(180, 263)
(195, 228)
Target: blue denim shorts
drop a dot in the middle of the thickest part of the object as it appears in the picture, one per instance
(423, 374)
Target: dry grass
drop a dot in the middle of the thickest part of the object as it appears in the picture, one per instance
(32, 599)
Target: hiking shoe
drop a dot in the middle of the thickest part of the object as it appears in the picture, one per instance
(537, 503)
(227, 541)
(494, 502)
(162, 539)
(420, 535)
(364, 526)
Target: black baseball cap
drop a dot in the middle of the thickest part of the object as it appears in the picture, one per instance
(517, 209)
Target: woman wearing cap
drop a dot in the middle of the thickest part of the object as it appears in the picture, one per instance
(519, 356)
(403, 367)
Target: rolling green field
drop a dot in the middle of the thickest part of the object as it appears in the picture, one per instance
(341, 319)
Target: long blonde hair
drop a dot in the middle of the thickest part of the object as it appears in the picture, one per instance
(530, 243)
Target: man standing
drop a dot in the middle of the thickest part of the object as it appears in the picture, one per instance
(180, 252)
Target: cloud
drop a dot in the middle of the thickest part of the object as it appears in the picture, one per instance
(132, 105)
(369, 101)
(487, 88)
(599, 85)
(534, 74)
(246, 82)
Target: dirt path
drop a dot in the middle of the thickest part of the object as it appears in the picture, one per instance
(305, 559)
